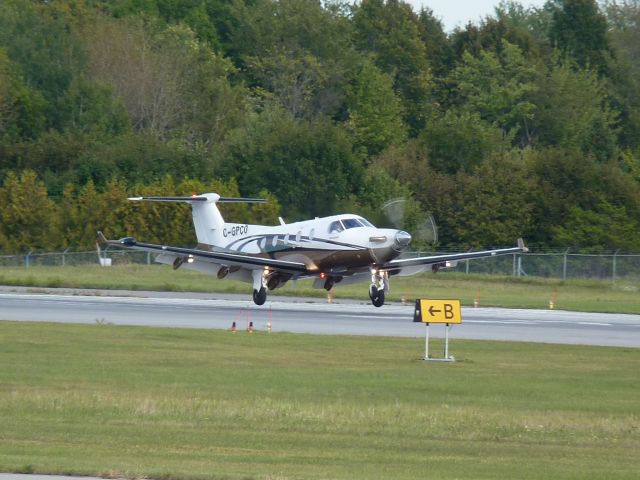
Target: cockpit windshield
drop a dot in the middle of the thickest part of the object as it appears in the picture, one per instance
(347, 223)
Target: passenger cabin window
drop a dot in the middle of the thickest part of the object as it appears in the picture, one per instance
(336, 227)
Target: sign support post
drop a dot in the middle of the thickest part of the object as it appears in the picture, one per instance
(438, 311)
(426, 342)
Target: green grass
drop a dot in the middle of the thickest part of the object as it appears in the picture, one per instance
(186, 404)
(579, 295)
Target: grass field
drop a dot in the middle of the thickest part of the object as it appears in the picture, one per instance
(579, 295)
(187, 404)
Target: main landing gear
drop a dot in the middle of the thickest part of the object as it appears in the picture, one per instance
(377, 288)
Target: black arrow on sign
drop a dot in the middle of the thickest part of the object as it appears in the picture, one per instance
(432, 312)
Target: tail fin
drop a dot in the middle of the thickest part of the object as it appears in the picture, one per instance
(207, 219)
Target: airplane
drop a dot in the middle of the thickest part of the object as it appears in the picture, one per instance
(337, 249)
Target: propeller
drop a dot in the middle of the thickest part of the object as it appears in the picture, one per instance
(407, 215)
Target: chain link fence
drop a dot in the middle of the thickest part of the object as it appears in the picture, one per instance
(561, 265)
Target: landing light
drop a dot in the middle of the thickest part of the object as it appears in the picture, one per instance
(378, 238)
(190, 259)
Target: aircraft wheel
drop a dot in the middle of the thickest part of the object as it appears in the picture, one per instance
(377, 296)
(259, 297)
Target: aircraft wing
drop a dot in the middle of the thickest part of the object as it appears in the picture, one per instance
(414, 265)
(249, 262)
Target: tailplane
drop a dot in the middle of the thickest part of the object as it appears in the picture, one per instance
(207, 219)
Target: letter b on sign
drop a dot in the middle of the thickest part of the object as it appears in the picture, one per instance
(448, 311)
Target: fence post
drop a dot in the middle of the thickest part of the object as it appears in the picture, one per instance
(564, 265)
(63, 255)
(26, 258)
(148, 258)
(613, 269)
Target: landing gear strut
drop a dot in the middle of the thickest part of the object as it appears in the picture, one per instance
(377, 288)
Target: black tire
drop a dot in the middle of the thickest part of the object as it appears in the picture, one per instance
(373, 292)
(377, 297)
(259, 297)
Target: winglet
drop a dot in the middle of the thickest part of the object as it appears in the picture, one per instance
(522, 246)
(102, 239)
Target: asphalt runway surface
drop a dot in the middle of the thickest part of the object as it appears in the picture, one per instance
(160, 309)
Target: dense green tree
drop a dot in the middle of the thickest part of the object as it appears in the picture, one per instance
(499, 89)
(82, 216)
(511, 24)
(308, 166)
(327, 105)
(569, 183)
(171, 84)
(604, 227)
(624, 21)
(49, 59)
(294, 52)
(390, 31)
(579, 28)
(375, 111)
(492, 206)
(460, 139)
(29, 219)
(22, 108)
(573, 112)
(438, 47)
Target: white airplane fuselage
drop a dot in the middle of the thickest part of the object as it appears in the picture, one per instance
(314, 243)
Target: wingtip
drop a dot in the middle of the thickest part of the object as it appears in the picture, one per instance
(522, 246)
(101, 238)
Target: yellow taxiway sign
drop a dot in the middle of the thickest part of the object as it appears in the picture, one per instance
(437, 311)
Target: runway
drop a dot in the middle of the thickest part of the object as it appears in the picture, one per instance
(317, 317)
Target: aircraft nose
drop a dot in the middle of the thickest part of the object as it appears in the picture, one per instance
(402, 240)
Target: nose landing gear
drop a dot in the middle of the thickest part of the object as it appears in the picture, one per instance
(260, 296)
(260, 278)
(378, 288)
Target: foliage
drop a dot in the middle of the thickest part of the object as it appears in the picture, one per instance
(276, 152)
(579, 28)
(375, 111)
(322, 107)
(28, 217)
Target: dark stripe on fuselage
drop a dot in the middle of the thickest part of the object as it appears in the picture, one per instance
(269, 239)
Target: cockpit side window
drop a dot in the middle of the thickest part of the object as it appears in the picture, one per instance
(336, 227)
(365, 222)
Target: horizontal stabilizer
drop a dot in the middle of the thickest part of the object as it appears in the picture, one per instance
(207, 197)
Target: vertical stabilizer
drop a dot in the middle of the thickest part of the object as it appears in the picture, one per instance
(207, 219)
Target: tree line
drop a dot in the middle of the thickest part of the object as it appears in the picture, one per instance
(526, 123)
